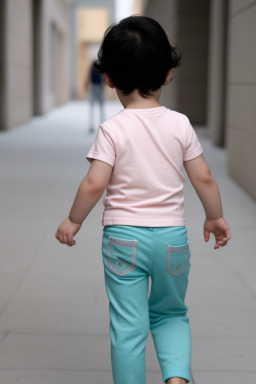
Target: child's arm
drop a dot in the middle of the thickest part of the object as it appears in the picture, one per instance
(88, 194)
(208, 192)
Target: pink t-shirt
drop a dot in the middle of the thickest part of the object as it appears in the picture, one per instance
(146, 148)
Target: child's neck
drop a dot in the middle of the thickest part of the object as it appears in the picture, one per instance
(135, 101)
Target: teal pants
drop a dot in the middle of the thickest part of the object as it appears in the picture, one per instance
(130, 255)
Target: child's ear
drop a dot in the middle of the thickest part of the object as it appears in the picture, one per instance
(168, 77)
(108, 80)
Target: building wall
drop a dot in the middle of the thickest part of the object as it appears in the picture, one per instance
(92, 23)
(76, 6)
(16, 62)
(241, 93)
(52, 55)
(34, 55)
(139, 7)
(193, 38)
(165, 12)
(217, 77)
(187, 26)
(2, 65)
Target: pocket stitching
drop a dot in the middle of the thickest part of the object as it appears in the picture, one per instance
(171, 249)
(124, 243)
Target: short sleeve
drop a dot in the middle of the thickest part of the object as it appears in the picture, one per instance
(103, 147)
(193, 147)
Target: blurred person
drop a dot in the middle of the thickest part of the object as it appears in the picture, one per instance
(138, 155)
(94, 84)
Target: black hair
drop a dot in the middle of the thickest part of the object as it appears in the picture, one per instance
(137, 54)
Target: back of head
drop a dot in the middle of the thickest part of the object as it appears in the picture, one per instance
(136, 54)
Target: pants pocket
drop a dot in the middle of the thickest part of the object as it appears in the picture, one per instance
(122, 255)
(177, 259)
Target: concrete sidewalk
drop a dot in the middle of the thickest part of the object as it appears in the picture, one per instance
(54, 323)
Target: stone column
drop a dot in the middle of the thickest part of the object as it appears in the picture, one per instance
(217, 72)
(16, 62)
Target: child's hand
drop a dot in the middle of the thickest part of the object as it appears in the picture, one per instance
(220, 229)
(66, 230)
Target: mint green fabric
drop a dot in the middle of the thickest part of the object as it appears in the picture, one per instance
(130, 255)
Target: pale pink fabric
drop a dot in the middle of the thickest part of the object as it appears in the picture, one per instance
(146, 148)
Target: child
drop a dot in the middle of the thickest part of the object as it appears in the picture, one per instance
(138, 155)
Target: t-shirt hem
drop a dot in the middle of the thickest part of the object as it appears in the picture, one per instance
(197, 152)
(145, 223)
(99, 156)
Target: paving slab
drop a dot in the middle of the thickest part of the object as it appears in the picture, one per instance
(223, 353)
(66, 376)
(232, 377)
(62, 351)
